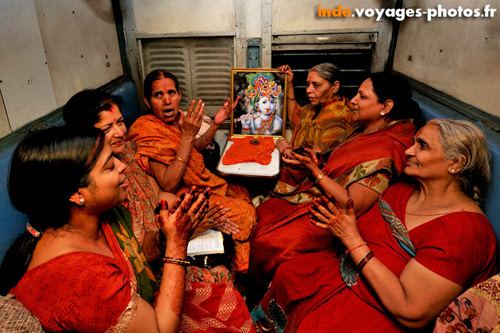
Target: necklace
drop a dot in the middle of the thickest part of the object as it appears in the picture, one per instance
(425, 214)
(71, 229)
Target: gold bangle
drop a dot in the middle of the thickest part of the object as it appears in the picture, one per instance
(177, 261)
(319, 177)
(180, 159)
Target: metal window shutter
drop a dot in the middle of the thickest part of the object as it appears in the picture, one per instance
(202, 65)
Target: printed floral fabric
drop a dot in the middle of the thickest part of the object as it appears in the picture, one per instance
(476, 310)
(141, 198)
(120, 221)
(325, 129)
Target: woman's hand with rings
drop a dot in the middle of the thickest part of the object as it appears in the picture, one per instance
(186, 214)
(341, 223)
(286, 69)
(191, 122)
(309, 160)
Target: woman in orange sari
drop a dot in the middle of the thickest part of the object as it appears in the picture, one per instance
(169, 151)
(361, 168)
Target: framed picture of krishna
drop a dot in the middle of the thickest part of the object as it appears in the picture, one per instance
(261, 110)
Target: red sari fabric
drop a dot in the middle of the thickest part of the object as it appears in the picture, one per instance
(81, 291)
(284, 231)
(310, 295)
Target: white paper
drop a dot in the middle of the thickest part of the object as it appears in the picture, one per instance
(209, 242)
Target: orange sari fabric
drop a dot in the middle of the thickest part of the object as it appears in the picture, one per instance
(141, 198)
(244, 151)
(159, 141)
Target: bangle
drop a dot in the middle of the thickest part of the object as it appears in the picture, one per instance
(354, 248)
(182, 262)
(319, 177)
(365, 260)
(180, 159)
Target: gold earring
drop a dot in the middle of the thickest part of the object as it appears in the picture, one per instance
(452, 170)
(82, 200)
(382, 114)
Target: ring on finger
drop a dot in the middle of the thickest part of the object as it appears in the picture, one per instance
(210, 221)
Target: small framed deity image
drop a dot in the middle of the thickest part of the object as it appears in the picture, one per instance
(261, 110)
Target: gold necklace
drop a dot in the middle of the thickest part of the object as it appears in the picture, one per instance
(71, 229)
(425, 214)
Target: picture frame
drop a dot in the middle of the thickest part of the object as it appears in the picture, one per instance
(261, 110)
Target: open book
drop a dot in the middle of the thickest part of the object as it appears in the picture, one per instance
(209, 242)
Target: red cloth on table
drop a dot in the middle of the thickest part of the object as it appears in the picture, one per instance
(243, 151)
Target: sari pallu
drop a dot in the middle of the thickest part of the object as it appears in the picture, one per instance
(284, 230)
(317, 292)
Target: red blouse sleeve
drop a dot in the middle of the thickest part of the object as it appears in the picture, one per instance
(78, 291)
(460, 247)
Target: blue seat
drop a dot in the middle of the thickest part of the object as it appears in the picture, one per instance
(13, 222)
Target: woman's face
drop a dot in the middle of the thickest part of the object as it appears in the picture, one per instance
(426, 159)
(366, 107)
(107, 185)
(267, 105)
(112, 124)
(318, 89)
(164, 100)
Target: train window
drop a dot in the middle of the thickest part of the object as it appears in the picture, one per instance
(202, 65)
(351, 52)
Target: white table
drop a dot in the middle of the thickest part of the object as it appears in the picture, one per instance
(250, 169)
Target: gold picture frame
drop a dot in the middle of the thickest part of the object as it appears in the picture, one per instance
(261, 110)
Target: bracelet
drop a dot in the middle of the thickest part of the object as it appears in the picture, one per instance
(319, 177)
(365, 260)
(180, 159)
(354, 248)
(182, 262)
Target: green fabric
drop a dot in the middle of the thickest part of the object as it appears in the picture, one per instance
(120, 221)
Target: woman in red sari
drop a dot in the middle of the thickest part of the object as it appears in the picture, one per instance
(78, 277)
(361, 168)
(407, 258)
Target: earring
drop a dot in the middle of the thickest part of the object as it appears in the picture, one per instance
(382, 114)
(452, 170)
(82, 200)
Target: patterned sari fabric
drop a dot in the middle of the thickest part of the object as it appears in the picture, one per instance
(82, 291)
(284, 230)
(119, 221)
(325, 129)
(141, 198)
(476, 310)
(460, 247)
(159, 141)
(214, 305)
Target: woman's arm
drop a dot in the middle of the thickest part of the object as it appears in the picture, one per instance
(291, 102)
(178, 227)
(169, 176)
(415, 298)
(362, 195)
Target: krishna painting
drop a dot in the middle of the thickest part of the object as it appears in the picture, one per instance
(261, 109)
